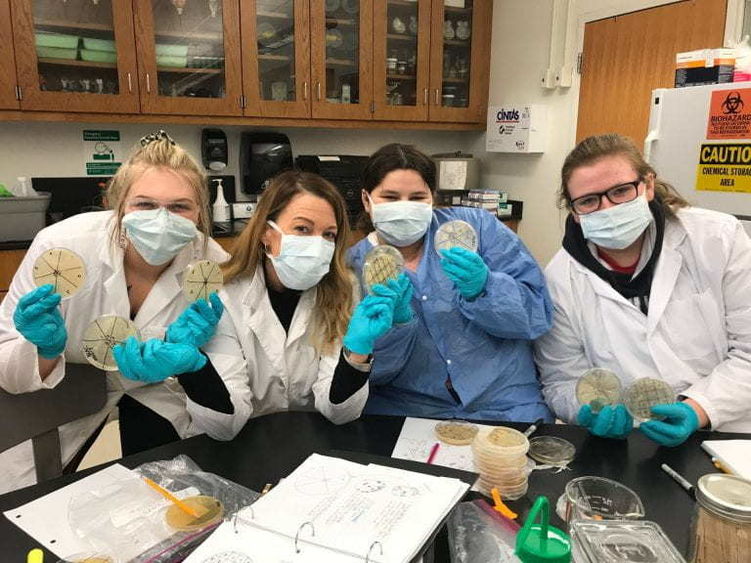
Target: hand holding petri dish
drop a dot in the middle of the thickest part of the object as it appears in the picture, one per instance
(382, 263)
(645, 393)
(101, 336)
(455, 233)
(61, 268)
(598, 388)
(201, 279)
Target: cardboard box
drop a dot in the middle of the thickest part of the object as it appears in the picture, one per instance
(705, 66)
(517, 128)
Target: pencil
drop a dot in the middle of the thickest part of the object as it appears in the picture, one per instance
(718, 464)
(172, 498)
(433, 452)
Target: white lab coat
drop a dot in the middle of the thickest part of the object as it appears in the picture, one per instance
(265, 369)
(696, 336)
(104, 293)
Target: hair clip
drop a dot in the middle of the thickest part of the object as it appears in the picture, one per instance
(161, 134)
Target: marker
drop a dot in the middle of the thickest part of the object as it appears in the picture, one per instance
(433, 452)
(688, 487)
(531, 430)
(36, 555)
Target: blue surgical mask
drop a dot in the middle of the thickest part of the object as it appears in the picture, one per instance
(158, 235)
(619, 226)
(401, 223)
(302, 260)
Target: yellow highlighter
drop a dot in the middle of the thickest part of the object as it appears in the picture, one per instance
(173, 499)
(36, 555)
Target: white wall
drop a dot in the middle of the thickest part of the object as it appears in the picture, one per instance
(519, 54)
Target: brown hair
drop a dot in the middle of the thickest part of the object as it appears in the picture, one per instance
(159, 153)
(594, 148)
(334, 291)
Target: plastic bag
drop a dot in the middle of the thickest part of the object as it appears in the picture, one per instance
(126, 520)
(479, 533)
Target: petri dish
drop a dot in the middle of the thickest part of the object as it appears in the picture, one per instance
(598, 387)
(201, 279)
(622, 542)
(382, 263)
(455, 233)
(645, 393)
(726, 495)
(551, 450)
(62, 268)
(456, 432)
(209, 508)
(101, 336)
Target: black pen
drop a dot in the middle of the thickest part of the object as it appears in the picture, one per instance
(529, 431)
(678, 478)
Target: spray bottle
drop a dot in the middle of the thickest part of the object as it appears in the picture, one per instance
(220, 209)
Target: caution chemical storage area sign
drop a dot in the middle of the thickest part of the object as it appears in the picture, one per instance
(724, 167)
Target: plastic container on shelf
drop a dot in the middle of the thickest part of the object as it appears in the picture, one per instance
(98, 56)
(98, 44)
(57, 40)
(56, 53)
(166, 49)
(21, 218)
(173, 61)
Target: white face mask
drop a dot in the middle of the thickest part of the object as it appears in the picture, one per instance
(302, 260)
(158, 235)
(619, 226)
(401, 223)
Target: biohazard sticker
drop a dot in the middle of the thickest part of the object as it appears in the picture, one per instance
(724, 167)
(730, 114)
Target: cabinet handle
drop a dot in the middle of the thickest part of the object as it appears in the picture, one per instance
(148, 84)
(435, 97)
(318, 91)
(130, 84)
(305, 90)
(427, 97)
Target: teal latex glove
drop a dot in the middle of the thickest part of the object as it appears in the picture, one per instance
(155, 360)
(371, 319)
(610, 422)
(466, 269)
(400, 292)
(681, 421)
(39, 321)
(196, 325)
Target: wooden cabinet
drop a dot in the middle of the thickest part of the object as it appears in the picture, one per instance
(10, 260)
(75, 55)
(7, 63)
(189, 56)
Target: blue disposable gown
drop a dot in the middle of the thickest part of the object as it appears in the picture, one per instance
(483, 346)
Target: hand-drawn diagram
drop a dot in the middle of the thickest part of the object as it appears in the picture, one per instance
(228, 557)
(321, 480)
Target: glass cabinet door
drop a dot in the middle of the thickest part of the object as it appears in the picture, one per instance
(341, 38)
(7, 60)
(76, 55)
(401, 59)
(459, 64)
(276, 47)
(190, 54)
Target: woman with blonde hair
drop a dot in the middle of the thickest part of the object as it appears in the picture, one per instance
(289, 297)
(134, 254)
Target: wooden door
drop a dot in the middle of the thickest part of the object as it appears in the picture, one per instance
(341, 47)
(189, 56)
(460, 61)
(7, 60)
(627, 56)
(75, 55)
(276, 57)
(401, 59)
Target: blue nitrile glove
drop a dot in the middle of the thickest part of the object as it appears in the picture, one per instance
(400, 292)
(196, 324)
(371, 319)
(610, 422)
(466, 269)
(155, 360)
(681, 421)
(38, 319)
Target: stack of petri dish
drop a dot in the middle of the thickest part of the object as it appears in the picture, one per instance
(501, 460)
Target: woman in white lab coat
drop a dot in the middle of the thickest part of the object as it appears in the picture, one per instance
(647, 286)
(288, 297)
(135, 255)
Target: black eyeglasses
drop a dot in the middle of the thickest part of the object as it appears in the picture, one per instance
(621, 193)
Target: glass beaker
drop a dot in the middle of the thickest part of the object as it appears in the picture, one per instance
(598, 498)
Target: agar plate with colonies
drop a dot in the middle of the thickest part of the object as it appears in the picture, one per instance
(382, 263)
(645, 393)
(201, 279)
(62, 268)
(456, 432)
(455, 233)
(101, 336)
(598, 387)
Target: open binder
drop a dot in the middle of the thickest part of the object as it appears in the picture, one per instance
(338, 511)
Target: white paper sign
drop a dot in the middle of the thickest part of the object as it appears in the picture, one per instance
(516, 128)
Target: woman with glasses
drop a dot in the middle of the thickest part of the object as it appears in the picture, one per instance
(134, 255)
(647, 286)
